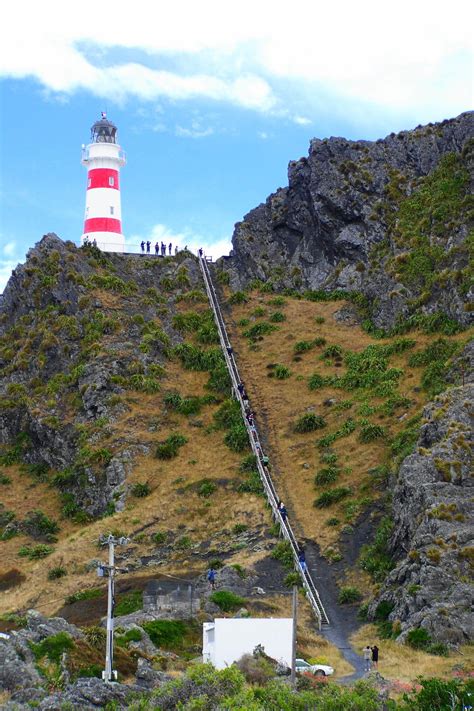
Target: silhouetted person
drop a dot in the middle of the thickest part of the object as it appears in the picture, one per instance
(375, 656)
(148, 245)
(169, 248)
(157, 249)
(142, 245)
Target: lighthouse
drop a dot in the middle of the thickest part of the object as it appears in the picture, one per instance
(103, 159)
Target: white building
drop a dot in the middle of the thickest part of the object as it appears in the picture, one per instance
(224, 641)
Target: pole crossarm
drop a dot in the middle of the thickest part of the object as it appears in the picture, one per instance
(264, 473)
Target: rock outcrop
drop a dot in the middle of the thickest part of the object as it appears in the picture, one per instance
(381, 218)
(433, 539)
(78, 328)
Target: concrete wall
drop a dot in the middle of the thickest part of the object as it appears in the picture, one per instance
(226, 640)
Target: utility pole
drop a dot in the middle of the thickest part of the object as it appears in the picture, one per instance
(293, 645)
(109, 674)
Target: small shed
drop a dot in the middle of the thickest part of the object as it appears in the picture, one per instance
(224, 641)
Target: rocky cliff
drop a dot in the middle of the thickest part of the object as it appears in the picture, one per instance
(389, 220)
(433, 540)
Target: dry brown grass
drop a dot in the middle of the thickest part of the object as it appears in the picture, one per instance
(401, 662)
(278, 403)
(171, 506)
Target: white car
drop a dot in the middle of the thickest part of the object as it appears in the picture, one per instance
(316, 669)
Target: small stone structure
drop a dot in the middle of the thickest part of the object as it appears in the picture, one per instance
(180, 603)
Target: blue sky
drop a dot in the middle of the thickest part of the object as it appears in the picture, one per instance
(212, 100)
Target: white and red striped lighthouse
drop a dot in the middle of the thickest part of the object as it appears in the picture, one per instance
(103, 158)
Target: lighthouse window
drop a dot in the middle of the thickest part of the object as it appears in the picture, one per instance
(111, 181)
(111, 210)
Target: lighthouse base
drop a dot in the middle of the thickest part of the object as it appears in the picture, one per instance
(106, 241)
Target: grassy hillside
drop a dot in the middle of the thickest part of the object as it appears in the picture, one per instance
(154, 415)
(340, 409)
(117, 418)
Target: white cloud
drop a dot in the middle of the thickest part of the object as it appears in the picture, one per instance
(186, 238)
(9, 249)
(301, 120)
(6, 268)
(196, 130)
(402, 57)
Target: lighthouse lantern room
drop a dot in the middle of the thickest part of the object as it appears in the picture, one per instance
(103, 158)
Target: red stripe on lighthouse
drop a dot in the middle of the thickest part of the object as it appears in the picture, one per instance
(103, 224)
(103, 178)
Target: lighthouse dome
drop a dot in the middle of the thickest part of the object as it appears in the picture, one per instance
(103, 131)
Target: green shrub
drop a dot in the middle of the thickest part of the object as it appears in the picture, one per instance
(332, 352)
(239, 528)
(183, 543)
(248, 464)
(333, 496)
(52, 647)
(404, 442)
(57, 572)
(347, 428)
(333, 521)
(418, 638)
(206, 488)
(140, 490)
(131, 635)
(252, 484)
(309, 422)
(130, 602)
(237, 438)
(326, 476)
(370, 432)
(348, 595)
(302, 347)
(277, 317)
(159, 537)
(35, 552)
(227, 601)
(170, 447)
(375, 558)
(292, 579)
(258, 330)
(144, 383)
(37, 524)
(238, 297)
(90, 671)
(90, 594)
(284, 554)
(280, 372)
(228, 415)
(166, 634)
(316, 381)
